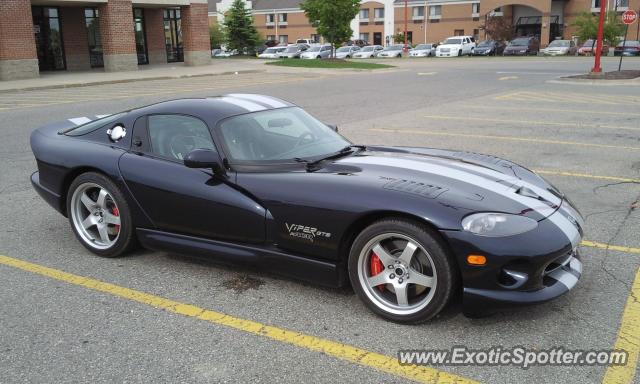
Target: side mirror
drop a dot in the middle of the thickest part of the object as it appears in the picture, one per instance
(205, 158)
(333, 126)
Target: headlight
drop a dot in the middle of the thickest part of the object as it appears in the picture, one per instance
(497, 224)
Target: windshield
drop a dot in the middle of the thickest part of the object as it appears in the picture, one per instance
(344, 49)
(394, 48)
(453, 41)
(291, 50)
(423, 46)
(314, 49)
(486, 43)
(519, 42)
(278, 135)
(588, 43)
(559, 43)
(301, 41)
(630, 43)
(270, 50)
(367, 49)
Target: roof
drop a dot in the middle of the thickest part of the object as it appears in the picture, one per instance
(275, 4)
(216, 108)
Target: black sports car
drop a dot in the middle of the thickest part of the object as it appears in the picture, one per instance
(255, 179)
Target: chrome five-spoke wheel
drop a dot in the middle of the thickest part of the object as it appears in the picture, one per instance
(397, 273)
(402, 270)
(95, 215)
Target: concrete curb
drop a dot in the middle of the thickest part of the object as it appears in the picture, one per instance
(603, 83)
(131, 80)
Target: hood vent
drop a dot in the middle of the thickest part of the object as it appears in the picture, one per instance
(415, 188)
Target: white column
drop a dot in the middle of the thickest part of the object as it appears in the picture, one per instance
(355, 27)
(389, 20)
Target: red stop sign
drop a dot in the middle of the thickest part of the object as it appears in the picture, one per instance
(628, 17)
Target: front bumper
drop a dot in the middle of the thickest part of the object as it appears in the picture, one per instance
(524, 269)
(515, 53)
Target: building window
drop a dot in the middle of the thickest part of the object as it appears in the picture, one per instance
(475, 9)
(93, 36)
(364, 14)
(270, 18)
(476, 34)
(364, 37)
(496, 12)
(417, 13)
(622, 4)
(458, 32)
(378, 14)
(283, 39)
(435, 11)
(141, 36)
(315, 38)
(282, 18)
(271, 37)
(173, 35)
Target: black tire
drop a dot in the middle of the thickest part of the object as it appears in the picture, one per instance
(125, 240)
(460, 52)
(444, 267)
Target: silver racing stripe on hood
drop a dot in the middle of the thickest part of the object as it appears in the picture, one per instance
(420, 164)
(486, 179)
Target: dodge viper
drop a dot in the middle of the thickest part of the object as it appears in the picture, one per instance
(254, 179)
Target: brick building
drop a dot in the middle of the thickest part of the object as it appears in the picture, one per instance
(118, 35)
(427, 21)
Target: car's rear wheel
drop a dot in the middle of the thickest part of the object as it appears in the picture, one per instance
(99, 215)
(402, 270)
(460, 52)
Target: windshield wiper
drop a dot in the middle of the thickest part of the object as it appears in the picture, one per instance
(312, 163)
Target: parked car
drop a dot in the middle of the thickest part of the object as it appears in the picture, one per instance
(588, 48)
(456, 46)
(368, 52)
(346, 52)
(293, 51)
(305, 41)
(271, 43)
(257, 180)
(272, 53)
(215, 51)
(489, 48)
(317, 52)
(627, 48)
(560, 48)
(522, 46)
(392, 51)
(423, 50)
(224, 53)
(359, 43)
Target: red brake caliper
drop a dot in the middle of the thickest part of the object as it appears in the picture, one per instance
(116, 212)
(376, 267)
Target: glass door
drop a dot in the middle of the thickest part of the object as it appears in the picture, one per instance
(46, 28)
(141, 37)
(173, 35)
(92, 21)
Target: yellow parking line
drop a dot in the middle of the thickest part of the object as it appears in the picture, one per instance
(531, 122)
(628, 338)
(496, 137)
(341, 351)
(585, 175)
(595, 244)
(583, 111)
(426, 73)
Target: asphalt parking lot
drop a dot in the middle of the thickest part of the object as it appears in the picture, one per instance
(62, 325)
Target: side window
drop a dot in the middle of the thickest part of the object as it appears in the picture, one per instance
(174, 136)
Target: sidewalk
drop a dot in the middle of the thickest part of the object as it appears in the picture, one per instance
(64, 79)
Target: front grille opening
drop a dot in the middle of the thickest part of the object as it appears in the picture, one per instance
(558, 263)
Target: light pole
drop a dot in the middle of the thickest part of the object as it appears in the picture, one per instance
(406, 36)
(596, 66)
(424, 14)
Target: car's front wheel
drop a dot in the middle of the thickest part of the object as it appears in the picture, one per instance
(402, 270)
(99, 215)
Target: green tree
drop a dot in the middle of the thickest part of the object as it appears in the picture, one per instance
(216, 36)
(398, 37)
(239, 31)
(332, 19)
(586, 25)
